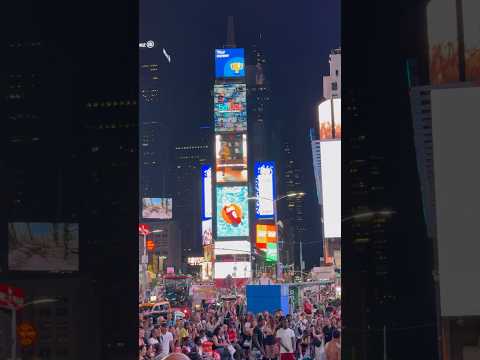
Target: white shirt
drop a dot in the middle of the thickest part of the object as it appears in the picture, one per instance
(165, 340)
(286, 336)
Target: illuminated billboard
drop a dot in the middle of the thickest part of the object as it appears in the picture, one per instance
(231, 156)
(207, 236)
(330, 127)
(233, 247)
(267, 241)
(455, 151)
(229, 63)
(206, 192)
(443, 41)
(230, 107)
(265, 189)
(237, 270)
(157, 208)
(471, 31)
(331, 178)
(49, 247)
(232, 211)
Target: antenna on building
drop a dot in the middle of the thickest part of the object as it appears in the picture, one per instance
(230, 33)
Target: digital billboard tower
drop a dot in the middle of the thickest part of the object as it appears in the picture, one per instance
(330, 133)
(230, 205)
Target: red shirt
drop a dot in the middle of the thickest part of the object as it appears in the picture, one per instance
(232, 335)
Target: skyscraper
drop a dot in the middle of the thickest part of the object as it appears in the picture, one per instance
(190, 156)
(291, 210)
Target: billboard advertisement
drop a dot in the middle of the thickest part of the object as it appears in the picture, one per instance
(329, 118)
(443, 41)
(207, 235)
(455, 149)
(206, 192)
(265, 189)
(471, 31)
(232, 211)
(230, 107)
(267, 241)
(157, 208)
(43, 247)
(231, 156)
(237, 270)
(266, 234)
(331, 177)
(233, 248)
(229, 63)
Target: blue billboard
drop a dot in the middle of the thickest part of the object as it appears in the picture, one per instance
(232, 211)
(206, 192)
(265, 189)
(229, 63)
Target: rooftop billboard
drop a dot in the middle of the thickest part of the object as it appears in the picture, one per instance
(229, 63)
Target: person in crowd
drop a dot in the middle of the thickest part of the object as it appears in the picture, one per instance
(286, 340)
(333, 348)
(258, 340)
(166, 341)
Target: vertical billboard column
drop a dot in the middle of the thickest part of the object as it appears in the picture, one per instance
(266, 211)
(231, 213)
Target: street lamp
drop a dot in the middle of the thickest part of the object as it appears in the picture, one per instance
(13, 309)
(275, 214)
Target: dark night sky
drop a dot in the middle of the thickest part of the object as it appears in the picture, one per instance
(296, 39)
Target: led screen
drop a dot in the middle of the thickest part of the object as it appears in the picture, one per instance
(330, 128)
(443, 41)
(457, 199)
(43, 247)
(230, 108)
(206, 192)
(229, 63)
(471, 24)
(157, 208)
(271, 253)
(265, 189)
(266, 234)
(231, 156)
(331, 176)
(232, 248)
(267, 241)
(232, 211)
(237, 270)
(207, 236)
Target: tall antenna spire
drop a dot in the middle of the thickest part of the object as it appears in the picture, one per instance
(230, 33)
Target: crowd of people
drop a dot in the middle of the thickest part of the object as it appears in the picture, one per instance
(227, 332)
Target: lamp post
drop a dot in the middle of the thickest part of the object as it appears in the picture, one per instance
(275, 215)
(13, 309)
